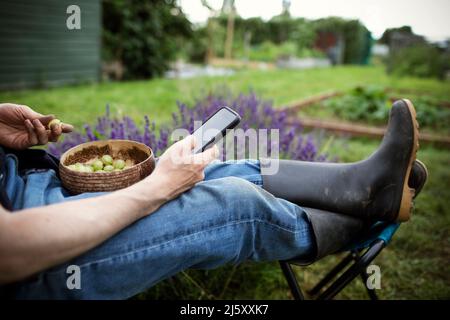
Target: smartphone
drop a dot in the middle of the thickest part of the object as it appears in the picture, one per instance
(215, 128)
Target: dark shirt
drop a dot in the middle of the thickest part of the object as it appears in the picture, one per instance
(28, 159)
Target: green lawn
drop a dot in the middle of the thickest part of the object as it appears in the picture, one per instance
(157, 98)
(415, 265)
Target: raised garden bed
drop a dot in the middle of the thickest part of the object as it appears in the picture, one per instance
(363, 112)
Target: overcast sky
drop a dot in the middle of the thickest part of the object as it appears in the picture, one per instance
(430, 18)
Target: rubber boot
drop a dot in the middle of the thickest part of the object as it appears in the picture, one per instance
(373, 189)
(333, 231)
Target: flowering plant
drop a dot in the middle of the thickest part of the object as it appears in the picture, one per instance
(255, 113)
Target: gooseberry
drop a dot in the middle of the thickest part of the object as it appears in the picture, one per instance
(105, 164)
(107, 159)
(97, 165)
(108, 168)
(119, 164)
(54, 122)
(79, 167)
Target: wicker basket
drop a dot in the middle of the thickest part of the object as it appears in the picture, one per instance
(80, 182)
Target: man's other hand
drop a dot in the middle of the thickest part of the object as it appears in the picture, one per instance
(21, 127)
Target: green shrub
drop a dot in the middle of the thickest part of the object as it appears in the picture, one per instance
(196, 49)
(269, 51)
(422, 60)
(362, 104)
(143, 35)
(371, 104)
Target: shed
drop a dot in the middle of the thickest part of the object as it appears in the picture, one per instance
(37, 49)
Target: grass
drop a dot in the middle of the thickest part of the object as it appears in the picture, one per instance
(414, 266)
(157, 98)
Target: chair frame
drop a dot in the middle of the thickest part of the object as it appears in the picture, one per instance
(358, 260)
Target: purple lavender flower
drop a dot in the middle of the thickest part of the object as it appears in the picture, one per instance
(255, 112)
(90, 135)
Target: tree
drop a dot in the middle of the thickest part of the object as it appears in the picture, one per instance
(286, 8)
(143, 35)
(210, 26)
(387, 34)
(229, 9)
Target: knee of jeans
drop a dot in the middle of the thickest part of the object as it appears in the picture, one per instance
(240, 194)
(244, 187)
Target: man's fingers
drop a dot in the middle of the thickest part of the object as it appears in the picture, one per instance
(211, 154)
(32, 137)
(29, 113)
(191, 142)
(187, 145)
(40, 131)
(66, 128)
(54, 133)
(45, 120)
(207, 156)
(56, 130)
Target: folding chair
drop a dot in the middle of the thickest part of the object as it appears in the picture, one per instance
(361, 253)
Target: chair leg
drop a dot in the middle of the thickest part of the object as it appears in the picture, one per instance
(371, 292)
(352, 272)
(330, 275)
(291, 280)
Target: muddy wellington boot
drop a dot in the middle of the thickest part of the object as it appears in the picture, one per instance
(372, 189)
(333, 231)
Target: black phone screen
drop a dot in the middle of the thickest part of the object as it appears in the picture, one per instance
(214, 128)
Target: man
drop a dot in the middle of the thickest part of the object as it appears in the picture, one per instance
(189, 213)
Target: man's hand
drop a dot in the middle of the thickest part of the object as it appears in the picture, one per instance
(178, 169)
(21, 127)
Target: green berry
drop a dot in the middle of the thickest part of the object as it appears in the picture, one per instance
(72, 167)
(79, 167)
(108, 168)
(88, 169)
(107, 159)
(54, 122)
(97, 165)
(119, 164)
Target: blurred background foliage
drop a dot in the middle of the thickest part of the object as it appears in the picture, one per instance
(420, 60)
(143, 35)
(412, 55)
(371, 104)
(146, 36)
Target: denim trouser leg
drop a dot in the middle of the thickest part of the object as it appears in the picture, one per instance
(222, 220)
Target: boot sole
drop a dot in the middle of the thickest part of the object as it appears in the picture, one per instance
(425, 172)
(406, 203)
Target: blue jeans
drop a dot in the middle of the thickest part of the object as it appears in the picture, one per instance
(228, 218)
